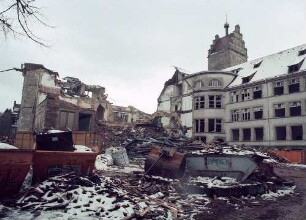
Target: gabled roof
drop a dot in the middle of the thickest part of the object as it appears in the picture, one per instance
(269, 66)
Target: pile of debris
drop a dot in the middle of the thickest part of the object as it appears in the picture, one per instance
(134, 139)
(113, 197)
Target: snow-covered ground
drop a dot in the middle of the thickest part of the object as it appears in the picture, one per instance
(7, 146)
(82, 148)
(295, 165)
(281, 192)
(104, 162)
(113, 198)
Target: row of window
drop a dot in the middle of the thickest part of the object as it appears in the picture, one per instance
(280, 133)
(246, 114)
(214, 101)
(293, 86)
(246, 134)
(212, 83)
(246, 94)
(214, 125)
(279, 111)
(256, 92)
(296, 133)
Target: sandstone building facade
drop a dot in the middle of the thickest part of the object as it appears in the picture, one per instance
(260, 102)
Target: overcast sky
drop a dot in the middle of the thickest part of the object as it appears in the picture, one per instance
(130, 46)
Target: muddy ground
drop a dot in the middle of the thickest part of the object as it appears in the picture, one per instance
(289, 207)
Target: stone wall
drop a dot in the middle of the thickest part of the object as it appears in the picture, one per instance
(28, 102)
(227, 51)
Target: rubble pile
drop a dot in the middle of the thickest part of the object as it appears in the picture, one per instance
(118, 136)
(123, 196)
(135, 195)
(112, 197)
(138, 139)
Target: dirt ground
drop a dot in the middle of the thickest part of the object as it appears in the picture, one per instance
(283, 208)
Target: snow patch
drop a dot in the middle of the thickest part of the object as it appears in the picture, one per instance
(7, 146)
(81, 148)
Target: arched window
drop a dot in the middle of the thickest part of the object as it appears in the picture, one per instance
(214, 83)
(198, 84)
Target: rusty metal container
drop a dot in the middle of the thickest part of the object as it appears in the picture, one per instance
(294, 156)
(14, 166)
(50, 163)
(165, 162)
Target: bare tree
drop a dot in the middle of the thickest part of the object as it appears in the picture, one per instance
(18, 15)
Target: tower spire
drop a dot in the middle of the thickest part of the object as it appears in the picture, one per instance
(226, 26)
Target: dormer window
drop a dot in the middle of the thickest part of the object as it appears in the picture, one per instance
(198, 84)
(236, 71)
(257, 64)
(214, 83)
(247, 79)
(302, 51)
(296, 65)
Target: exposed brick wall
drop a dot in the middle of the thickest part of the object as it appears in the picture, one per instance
(52, 107)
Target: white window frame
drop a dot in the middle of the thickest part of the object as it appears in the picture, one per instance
(235, 115)
(279, 106)
(257, 88)
(234, 97)
(279, 84)
(294, 81)
(246, 114)
(258, 109)
(197, 100)
(247, 93)
(215, 101)
(215, 83)
(198, 84)
(295, 104)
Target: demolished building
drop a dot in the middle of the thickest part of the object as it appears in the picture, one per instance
(48, 102)
(128, 115)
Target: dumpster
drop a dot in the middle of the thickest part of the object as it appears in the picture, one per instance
(165, 162)
(54, 140)
(14, 166)
(50, 163)
(211, 165)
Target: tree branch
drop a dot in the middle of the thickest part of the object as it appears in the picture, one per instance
(25, 10)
